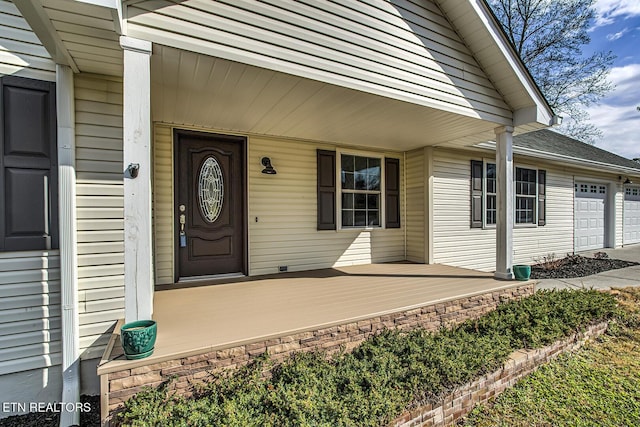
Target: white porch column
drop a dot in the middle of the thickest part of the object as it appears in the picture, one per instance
(65, 106)
(138, 264)
(505, 201)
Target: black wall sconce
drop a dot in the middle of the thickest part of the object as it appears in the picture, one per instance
(268, 169)
(626, 181)
(132, 171)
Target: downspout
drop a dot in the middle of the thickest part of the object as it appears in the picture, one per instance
(65, 106)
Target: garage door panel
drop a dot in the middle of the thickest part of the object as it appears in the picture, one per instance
(631, 222)
(589, 212)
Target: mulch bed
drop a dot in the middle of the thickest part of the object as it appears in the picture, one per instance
(50, 419)
(577, 266)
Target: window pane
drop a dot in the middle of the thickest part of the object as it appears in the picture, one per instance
(373, 218)
(373, 201)
(360, 180)
(360, 201)
(525, 210)
(347, 163)
(360, 218)
(361, 164)
(347, 201)
(347, 218)
(347, 180)
(491, 171)
(525, 182)
(373, 174)
(491, 210)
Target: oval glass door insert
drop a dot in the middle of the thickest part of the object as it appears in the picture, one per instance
(210, 189)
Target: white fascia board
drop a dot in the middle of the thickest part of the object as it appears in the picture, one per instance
(116, 10)
(534, 114)
(545, 114)
(560, 158)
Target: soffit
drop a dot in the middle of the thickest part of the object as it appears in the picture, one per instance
(194, 90)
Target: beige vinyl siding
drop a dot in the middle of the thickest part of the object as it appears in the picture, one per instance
(163, 204)
(456, 243)
(416, 194)
(283, 216)
(282, 213)
(29, 311)
(100, 211)
(21, 53)
(403, 50)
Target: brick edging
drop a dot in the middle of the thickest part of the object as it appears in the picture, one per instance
(452, 407)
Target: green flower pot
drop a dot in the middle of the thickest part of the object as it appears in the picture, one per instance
(522, 272)
(138, 338)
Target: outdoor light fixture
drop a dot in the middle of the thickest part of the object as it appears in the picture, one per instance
(268, 169)
(628, 181)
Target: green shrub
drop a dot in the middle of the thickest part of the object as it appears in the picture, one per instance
(379, 379)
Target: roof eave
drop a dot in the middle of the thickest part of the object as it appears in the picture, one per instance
(561, 158)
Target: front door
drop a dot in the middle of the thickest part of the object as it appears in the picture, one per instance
(210, 204)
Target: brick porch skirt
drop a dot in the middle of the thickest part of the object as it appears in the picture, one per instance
(119, 386)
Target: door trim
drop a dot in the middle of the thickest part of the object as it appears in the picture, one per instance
(242, 140)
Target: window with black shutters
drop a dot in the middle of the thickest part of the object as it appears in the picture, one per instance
(367, 186)
(28, 165)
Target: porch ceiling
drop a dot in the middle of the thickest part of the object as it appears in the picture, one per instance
(201, 91)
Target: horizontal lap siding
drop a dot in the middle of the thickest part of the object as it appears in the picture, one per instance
(456, 243)
(285, 206)
(100, 211)
(21, 52)
(402, 49)
(416, 193)
(163, 204)
(30, 335)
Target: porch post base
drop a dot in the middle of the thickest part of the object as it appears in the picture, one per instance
(503, 275)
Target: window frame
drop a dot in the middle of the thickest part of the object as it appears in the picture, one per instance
(535, 197)
(381, 192)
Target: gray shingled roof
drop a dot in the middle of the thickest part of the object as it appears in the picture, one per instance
(548, 141)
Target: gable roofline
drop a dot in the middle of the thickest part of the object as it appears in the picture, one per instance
(493, 50)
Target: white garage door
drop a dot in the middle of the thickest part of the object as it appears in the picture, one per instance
(589, 215)
(631, 215)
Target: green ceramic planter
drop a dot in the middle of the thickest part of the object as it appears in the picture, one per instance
(138, 338)
(522, 272)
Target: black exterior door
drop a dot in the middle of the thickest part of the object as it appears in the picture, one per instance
(210, 204)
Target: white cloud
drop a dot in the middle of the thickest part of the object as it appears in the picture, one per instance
(616, 36)
(608, 10)
(617, 115)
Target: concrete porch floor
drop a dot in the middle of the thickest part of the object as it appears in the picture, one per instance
(196, 320)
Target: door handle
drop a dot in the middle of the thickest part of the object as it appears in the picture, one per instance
(183, 220)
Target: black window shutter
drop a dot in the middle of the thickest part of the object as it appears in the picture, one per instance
(326, 190)
(476, 194)
(392, 192)
(542, 197)
(28, 165)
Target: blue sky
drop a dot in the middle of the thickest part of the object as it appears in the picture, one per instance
(617, 28)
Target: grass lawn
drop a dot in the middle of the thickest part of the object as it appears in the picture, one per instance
(597, 386)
